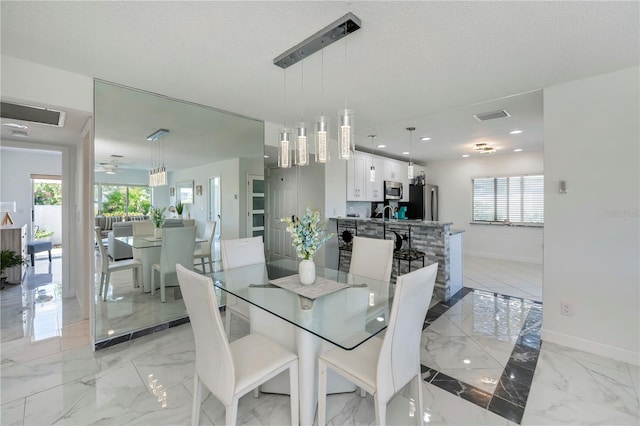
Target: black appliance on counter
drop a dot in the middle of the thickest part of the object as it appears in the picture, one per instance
(423, 202)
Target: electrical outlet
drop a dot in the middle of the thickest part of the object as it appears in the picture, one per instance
(566, 309)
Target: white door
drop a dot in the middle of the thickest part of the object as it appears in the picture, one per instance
(214, 203)
(282, 202)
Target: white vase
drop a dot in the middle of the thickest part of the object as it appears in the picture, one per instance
(157, 232)
(307, 272)
(179, 216)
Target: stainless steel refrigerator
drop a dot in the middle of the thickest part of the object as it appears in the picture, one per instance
(423, 202)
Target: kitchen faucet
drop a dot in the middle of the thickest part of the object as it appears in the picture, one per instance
(391, 210)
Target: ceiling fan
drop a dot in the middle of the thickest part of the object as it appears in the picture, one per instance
(109, 167)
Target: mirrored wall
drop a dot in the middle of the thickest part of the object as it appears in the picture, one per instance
(201, 148)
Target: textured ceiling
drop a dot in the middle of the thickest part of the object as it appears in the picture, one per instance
(412, 63)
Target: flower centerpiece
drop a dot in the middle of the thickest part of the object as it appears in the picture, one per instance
(307, 234)
(157, 217)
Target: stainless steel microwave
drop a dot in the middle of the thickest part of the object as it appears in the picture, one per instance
(392, 190)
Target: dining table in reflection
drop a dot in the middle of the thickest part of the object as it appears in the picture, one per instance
(147, 249)
(354, 310)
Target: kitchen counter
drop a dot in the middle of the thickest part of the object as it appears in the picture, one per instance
(423, 240)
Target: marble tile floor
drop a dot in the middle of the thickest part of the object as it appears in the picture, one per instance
(114, 386)
(507, 277)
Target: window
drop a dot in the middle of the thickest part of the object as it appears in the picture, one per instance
(510, 199)
(122, 200)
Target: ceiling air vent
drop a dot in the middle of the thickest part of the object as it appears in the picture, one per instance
(32, 114)
(492, 115)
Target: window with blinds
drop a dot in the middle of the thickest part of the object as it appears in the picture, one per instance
(512, 199)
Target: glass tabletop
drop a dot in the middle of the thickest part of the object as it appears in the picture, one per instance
(346, 318)
(147, 241)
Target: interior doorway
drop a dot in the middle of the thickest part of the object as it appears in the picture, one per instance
(46, 210)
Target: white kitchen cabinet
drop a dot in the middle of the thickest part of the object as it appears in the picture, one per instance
(393, 170)
(375, 190)
(356, 175)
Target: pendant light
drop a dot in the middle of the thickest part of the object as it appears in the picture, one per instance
(410, 167)
(345, 118)
(284, 137)
(322, 127)
(372, 169)
(302, 148)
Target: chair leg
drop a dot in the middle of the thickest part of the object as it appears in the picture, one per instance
(294, 392)
(363, 393)
(153, 281)
(256, 392)
(227, 322)
(107, 280)
(197, 400)
(101, 284)
(232, 412)
(210, 264)
(204, 270)
(381, 411)
(420, 404)
(162, 290)
(322, 392)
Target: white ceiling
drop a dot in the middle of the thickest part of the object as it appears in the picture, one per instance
(431, 65)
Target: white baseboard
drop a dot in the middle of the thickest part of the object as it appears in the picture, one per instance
(503, 257)
(590, 346)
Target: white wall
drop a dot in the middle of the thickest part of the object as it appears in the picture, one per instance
(592, 233)
(455, 196)
(31, 83)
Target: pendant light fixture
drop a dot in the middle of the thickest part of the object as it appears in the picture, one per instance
(372, 168)
(410, 167)
(302, 147)
(322, 127)
(345, 118)
(284, 137)
(158, 172)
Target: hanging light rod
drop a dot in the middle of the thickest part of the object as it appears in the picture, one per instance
(332, 32)
(160, 133)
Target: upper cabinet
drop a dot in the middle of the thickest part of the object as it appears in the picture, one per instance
(359, 185)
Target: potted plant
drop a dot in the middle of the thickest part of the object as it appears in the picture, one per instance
(179, 208)
(9, 259)
(157, 217)
(307, 236)
(42, 234)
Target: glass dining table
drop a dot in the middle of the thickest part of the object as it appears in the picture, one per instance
(147, 248)
(346, 317)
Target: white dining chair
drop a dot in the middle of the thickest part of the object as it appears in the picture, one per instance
(372, 258)
(204, 251)
(143, 227)
(382, 367)
(177, 248)
(235, 254)
(119, 265)
(229, 370)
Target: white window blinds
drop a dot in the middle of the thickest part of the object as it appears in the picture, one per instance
(516, 199)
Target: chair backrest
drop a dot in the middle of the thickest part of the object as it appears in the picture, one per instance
(143, 227)
(399, 359)
(177, 247)
(103, 252)
(209, 232)
(214, 362)
(372, 258)
(188, 222)
(173, 223)
(241, 252)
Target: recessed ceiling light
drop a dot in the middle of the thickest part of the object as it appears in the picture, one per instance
(425, 138)
(382, 146)
(266, 156)
(466, 361)
(405, 153)
(15, 125)
(465, 155)
(517, 150)
(515, 132)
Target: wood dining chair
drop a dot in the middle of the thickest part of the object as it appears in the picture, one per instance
(235, 254)
(382, 367)
(372, 258)
(204, 251)
(118, 265)
(177, 248)
(229, 370)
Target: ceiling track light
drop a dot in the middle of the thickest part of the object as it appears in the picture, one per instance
(158, 134)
